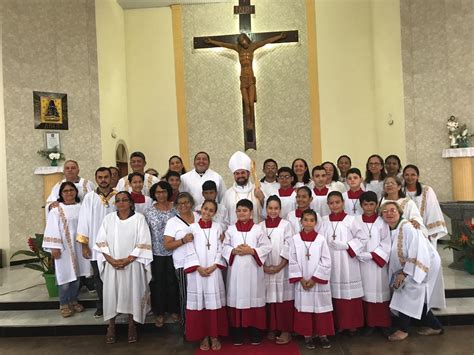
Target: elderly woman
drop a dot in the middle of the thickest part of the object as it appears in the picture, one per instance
(164, 286)
(177, 233)
(416, 274)
(124, 264)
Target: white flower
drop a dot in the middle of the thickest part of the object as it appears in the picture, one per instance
(51, 156)
(464, 133)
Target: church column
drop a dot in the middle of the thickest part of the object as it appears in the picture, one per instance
(4, 228)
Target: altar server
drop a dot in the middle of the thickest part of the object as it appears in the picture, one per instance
(246, 248)
(320, 191)
(373, 259)
(279, 292)
(141, 201)
(310, 271)
(351, 197)
(209, 192)
(286, 193)
(346, 282)
(206, 317)
(303, 202)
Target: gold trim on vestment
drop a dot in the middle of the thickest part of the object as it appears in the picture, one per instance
(423, 201)
(53, 240)
(82, 239)
(401, 258)
(102, 244)
(144, 246)
(67, 234)
(436, 224)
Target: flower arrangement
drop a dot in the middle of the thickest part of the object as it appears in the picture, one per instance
(44, 263)
(52, 155)
(464, 242)
(458, 133)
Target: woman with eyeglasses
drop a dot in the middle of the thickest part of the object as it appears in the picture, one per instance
(176, 235)
(392, 191)
(375, 175)
(124, 258)
(59, 240)
(415, 273)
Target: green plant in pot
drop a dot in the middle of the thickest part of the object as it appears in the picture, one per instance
(43, 262)
(464, 243)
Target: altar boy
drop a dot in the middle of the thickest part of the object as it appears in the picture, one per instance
(245, 250)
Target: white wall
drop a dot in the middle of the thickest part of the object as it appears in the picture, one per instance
(151, 87)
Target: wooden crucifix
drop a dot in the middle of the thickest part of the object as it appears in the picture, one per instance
(245, 47)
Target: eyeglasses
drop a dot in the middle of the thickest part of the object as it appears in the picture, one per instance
(284, 177)
(390, 183)
(391, 210)
(122, 200)
(183, 203)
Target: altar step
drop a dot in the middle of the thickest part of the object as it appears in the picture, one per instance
(48, 322)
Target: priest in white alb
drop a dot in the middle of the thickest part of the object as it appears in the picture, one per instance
(243, 188)
(193, 180)
(124, 256)
(95, 206)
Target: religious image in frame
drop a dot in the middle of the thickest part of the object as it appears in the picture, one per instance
(50, 110)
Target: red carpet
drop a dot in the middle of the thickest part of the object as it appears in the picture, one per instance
(266, 348)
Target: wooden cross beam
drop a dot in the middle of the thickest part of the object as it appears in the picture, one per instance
(245, 47)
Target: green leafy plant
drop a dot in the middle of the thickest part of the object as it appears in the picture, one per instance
(44, 263)
(464, 242)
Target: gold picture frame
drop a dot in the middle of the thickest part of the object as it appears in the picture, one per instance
(50, 110)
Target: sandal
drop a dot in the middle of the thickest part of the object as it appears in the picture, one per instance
(175, 317)
(65, 311)
(77, 307)
(159, 321)
(398, 336)
(283, 339)
(215, 344)
(110, 336)
(132, 333)
(204, 346)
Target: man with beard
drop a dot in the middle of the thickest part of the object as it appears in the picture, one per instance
(71, 174)
(242, 188)
(192, 181)
(95, 206)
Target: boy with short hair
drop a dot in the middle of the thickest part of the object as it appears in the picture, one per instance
(209, 192)
(351, 197)
(320, 191)
(245, 249)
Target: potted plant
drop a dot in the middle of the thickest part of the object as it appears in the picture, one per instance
(52, 155)
(43, 262)
(464, 243)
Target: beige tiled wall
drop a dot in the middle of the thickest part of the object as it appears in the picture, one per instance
(438, 71)
(48, 45)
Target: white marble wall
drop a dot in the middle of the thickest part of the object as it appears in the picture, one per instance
(48, 45)
(438, 71)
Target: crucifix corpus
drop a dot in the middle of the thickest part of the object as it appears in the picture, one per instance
(245, 47)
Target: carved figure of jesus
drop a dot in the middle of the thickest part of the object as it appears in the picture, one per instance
(246, 48)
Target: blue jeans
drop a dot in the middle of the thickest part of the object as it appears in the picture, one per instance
(68, 292)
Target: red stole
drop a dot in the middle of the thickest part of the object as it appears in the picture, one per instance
(244, 227)
(286, 192)
(337, 217)
(354, 194)
(323, 192)
(137, 198)
(272, 222)
(205, 225)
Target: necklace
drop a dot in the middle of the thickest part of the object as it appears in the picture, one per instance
(268, 234)
(334, 230)
(244, 236)
(354, 204)
(307, 249)
(369, 229)
(207, 236)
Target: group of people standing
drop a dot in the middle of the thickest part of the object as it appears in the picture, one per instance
(299, 251)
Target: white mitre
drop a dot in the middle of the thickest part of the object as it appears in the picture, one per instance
(239, 161)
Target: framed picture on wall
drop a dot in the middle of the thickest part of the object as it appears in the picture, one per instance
(52, 141)
(50, 110)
